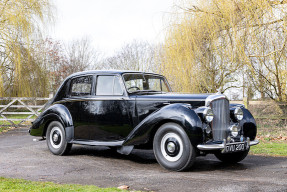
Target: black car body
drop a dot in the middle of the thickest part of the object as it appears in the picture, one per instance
(126, 110)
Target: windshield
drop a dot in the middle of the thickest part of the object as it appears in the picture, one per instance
(139, 82)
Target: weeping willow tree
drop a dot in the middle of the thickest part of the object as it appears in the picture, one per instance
(19, 22)
(209, 44)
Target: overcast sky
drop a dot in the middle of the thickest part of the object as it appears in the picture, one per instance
(111, 23)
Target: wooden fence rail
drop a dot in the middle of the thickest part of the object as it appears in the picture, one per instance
(26, 107)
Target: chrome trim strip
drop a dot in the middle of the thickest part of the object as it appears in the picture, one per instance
(221, 146)
(98, 143)
(106, 98)
(210, 146)
(113, 98)
(255, 142)
(167, 99)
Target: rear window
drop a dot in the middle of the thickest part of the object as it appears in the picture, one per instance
(81, 86)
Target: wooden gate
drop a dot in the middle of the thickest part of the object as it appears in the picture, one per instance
(20, 111)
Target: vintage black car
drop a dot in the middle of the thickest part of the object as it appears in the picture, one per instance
(125, 110)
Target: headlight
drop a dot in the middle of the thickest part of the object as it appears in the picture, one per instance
(208, 115)
(238, 113)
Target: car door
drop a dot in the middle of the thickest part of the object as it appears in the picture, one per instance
(107, 116)
(81, 88)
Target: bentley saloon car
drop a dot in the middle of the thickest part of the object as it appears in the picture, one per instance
(125, 110)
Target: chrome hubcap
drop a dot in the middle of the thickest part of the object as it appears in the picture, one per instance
(171, 147)
(55, 137)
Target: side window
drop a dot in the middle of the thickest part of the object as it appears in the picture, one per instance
(81, 86)
(117, 86)
(108, 85)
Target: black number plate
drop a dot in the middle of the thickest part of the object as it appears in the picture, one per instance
(234, 147)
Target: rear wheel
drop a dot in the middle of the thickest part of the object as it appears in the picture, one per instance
(231, 157)
(172, 148)
(56, 139)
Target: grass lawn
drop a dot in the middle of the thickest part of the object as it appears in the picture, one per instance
(20, 185)
(270, 148)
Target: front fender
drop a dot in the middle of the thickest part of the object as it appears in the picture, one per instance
(249, 124)
(57, 112)
(178, 113)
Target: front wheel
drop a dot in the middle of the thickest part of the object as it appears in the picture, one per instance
(231, 157)
(172, 148)
(56, 139)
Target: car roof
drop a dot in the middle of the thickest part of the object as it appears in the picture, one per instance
(92, 72)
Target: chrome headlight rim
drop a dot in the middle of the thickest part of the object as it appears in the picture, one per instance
(238, 114)
(208, 115)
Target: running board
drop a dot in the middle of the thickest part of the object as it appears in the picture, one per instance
(99, 143)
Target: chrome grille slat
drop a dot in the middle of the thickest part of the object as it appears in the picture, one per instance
(221, 119)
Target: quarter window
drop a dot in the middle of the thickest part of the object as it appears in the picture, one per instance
(108, 85)
(81, 86)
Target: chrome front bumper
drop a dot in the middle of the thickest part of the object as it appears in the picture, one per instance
(222, 146)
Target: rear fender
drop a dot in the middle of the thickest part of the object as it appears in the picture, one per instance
(177, 113)
(57, 112)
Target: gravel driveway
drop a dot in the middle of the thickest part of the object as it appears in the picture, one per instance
(22, 158)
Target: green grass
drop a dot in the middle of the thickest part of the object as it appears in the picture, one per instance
(2, 129)
(275, 148)
(272, 136)
(20, 185)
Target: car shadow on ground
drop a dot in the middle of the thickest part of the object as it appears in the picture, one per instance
(202, 164)
(138, 156)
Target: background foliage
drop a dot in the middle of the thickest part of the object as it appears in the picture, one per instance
(19, 21)
(219, 44)
(210, 46)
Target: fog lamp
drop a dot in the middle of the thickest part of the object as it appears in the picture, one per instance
(234, 130)
(208, 129)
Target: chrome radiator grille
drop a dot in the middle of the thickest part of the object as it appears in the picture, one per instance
(221, 119)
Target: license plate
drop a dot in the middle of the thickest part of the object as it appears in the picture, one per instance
(235, 147)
